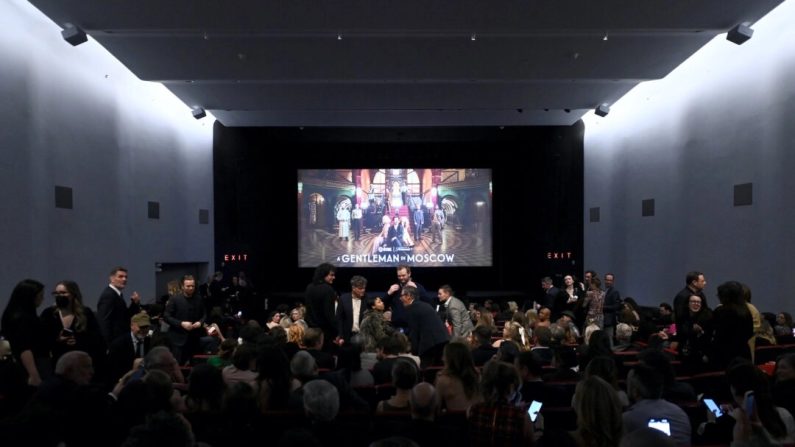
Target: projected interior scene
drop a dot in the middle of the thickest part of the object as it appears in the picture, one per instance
(385, 217)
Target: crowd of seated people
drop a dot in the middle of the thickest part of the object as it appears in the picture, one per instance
(278, 382)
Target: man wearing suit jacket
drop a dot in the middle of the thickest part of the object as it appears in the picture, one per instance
(426, 331)
(113, 314)
(455, 312)
(185, 317)
(130, 346)
(350, 311)
(394, 292)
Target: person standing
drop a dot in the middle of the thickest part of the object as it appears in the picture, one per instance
(22, 329)
(351, 308)
(419, 221)
(694, 285)
(113, 313)
(185, 317)
(356, 219)
(427, 333)
(455, 313)
(320, 298)
(612, 305)
(68, 325)
(344, 218)
(404, 279)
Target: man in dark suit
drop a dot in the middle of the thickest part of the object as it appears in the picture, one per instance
(395, 290)
(351, 307)
(113, 314)
(611, 306)
(130, 346)
(185, 317)
(320, 299)
(550, 292)
(694, 285)
(426, 331)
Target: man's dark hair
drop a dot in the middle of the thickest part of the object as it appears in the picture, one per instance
(692, 276)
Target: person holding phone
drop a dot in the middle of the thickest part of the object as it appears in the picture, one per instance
(68, 325)
(496, 420)
(751, 392)
(645, 388)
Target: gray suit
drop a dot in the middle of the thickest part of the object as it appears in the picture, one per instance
(458, 316)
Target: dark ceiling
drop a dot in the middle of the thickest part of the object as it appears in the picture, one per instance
(402, 62)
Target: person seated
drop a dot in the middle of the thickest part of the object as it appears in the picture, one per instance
(457, 383)
(313, 341)
(482, 350)
(404, 376)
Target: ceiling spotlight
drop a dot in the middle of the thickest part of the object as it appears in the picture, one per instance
(602, 110)
(198, 113)
(473, 37)
(606, 36)
(339, 36)
(740, 33)
(73, 34)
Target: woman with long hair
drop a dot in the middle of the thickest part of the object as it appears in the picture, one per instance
(457, 384)
(21, 327)
(733, 326)
(497, 421)
(599, 418)
(68, 325)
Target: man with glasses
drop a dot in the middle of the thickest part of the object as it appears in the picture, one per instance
(426, 331)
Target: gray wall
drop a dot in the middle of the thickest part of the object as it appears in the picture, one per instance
(75, 116)
(725, 117)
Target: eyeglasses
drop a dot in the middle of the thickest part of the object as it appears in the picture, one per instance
(59, 293)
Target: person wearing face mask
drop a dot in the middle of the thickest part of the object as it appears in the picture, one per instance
(68, 325)
(126, 349)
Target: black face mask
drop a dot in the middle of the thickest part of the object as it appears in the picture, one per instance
(62, 301)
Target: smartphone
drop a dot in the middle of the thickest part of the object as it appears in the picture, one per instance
(534, 409)
(749, 403)
(713, 407)
(660, 424)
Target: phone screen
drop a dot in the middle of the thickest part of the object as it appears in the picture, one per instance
(749, 403)
(661, 424)
(535, 407)
(713, 407)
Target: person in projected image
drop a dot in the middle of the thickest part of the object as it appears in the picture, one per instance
(407, 240)
(344, 218)
(381, 239)
(395, 235)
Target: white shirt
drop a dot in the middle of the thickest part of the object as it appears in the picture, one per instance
(357, 307)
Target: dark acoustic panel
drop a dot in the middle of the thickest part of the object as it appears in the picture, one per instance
(594, 214)
(743, 194)
(63, 197)
(154, 210)
(647, 208)
(204, 217)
